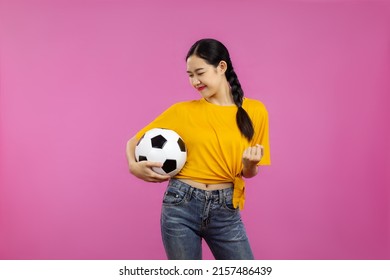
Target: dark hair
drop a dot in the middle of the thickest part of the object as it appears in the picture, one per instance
(213, 52)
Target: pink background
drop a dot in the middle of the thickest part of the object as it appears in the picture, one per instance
(79, 78)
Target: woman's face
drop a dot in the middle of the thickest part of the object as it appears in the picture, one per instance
(205, 78)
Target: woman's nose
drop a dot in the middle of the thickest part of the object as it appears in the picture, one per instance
(195, 82)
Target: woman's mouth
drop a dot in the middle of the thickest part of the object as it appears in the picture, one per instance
(201, 88)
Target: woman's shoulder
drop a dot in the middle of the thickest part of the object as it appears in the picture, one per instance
(186, 104)
(253, 104)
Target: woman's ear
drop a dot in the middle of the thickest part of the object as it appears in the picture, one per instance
(222, 66)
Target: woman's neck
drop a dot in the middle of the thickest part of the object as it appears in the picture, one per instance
(223, 97)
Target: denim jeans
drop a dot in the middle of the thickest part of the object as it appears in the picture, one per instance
(189, 215)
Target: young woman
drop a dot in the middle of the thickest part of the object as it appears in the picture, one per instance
(227, 138)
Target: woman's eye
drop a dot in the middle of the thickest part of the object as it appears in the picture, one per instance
(200, 74)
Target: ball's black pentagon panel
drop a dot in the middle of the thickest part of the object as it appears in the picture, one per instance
(169, 165)
(158, 142)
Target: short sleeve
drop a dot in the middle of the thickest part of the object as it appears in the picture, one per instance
(261, 125)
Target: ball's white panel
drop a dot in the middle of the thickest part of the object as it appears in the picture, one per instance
(159, 170)
(156, 155)
(154, 132)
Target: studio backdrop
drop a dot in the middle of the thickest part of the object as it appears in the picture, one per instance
(79, 78)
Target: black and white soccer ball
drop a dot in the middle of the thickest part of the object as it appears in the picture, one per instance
(165, 146)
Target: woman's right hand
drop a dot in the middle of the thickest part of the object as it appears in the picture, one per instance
(143, 170)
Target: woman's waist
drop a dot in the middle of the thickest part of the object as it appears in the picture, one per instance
(206, 186)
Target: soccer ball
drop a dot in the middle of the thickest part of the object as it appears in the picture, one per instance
(165, 146)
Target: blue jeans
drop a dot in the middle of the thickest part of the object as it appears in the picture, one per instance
(189, 214)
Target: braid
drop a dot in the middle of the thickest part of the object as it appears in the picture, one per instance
(235, 86)
(243, 120)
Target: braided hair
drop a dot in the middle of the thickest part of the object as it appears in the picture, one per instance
(213, 52)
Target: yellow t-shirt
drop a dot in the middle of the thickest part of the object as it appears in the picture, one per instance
(214, 142)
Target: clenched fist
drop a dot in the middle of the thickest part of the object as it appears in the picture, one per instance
(250, 158)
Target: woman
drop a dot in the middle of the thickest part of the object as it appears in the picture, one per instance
(227, 138)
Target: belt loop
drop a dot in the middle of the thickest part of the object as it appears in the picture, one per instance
(221, 196)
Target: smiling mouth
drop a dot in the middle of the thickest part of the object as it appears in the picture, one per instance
(201, 88)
